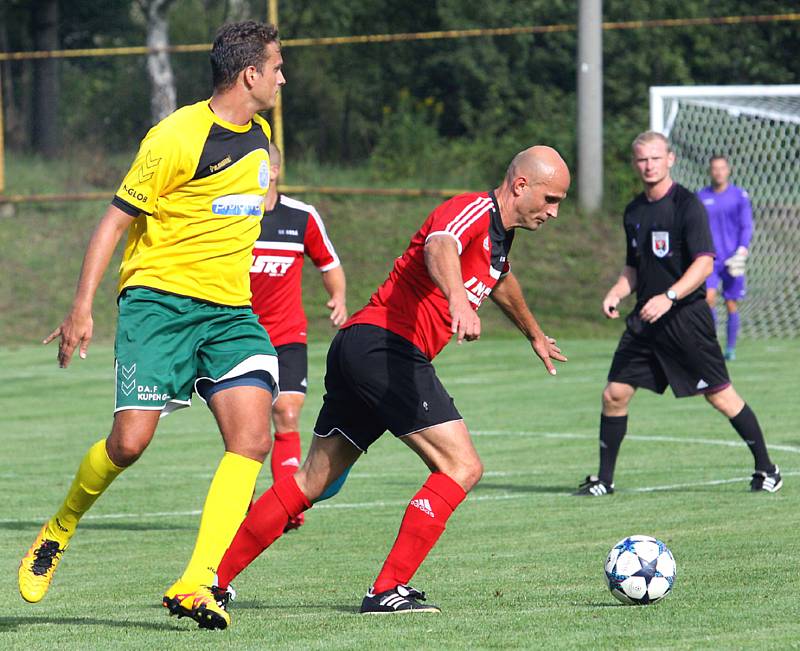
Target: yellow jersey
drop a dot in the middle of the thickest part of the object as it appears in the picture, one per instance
(196, 190)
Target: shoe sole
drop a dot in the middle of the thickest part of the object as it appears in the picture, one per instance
(431, 609)
(205, 618)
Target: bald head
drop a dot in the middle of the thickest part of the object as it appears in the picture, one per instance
(536, 183)
(274, 155)
(538, 164)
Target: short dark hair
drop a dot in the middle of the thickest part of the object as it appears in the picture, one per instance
(718, 157)
(238, 46)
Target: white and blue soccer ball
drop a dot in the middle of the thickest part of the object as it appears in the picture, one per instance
(640, 570)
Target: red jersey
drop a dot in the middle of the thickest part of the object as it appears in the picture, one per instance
(291, 230)
(410, 304)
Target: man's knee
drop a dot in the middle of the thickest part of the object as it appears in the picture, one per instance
(286, 418)
(466, 472)
(616, 397)
(253, 442)
(472, 473)
(286, 412)
(130, 435)
(125, 447)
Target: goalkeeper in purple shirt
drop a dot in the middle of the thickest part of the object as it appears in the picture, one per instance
(731, 220)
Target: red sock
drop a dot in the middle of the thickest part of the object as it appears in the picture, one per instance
(263, 525)
(285, 461)
(285, 455)
(423, 523)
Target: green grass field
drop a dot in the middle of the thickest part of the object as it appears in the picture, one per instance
(521, 565)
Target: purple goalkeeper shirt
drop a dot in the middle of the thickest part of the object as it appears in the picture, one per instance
(729, 217)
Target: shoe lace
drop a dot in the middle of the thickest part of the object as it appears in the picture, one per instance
(222, 596)
(44, 556)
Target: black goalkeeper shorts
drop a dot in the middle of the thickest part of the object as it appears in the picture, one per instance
(377, 381)
(679, 350)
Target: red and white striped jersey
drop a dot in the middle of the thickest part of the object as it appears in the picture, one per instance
(410, 304)
(289, 231)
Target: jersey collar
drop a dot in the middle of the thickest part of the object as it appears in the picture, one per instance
(230, 126)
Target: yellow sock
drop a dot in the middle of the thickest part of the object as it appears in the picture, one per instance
(225, 508)
(94, 475)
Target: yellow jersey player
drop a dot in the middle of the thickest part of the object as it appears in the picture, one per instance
(192, 204)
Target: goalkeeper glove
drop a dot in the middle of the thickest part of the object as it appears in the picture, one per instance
(736, 263)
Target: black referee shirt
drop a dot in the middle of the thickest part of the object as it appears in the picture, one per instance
(663, 238)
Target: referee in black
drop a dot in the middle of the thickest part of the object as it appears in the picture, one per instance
(670, 337)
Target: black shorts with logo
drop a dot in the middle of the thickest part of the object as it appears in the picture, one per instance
(377, 381)
(292, 367)
(680, 350)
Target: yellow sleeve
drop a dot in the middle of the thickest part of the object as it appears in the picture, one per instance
(163, 163)
(264, 126)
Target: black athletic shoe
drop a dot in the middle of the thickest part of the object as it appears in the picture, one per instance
(766, 481)
(595, 487)
(223, 596)
(402, 599)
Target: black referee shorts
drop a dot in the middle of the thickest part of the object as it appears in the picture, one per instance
(377, 381)
(680, 350)
(292, 367)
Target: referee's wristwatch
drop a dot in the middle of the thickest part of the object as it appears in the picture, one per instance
(671, 295)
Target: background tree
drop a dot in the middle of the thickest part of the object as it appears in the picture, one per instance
(46, 86)
(159, 66)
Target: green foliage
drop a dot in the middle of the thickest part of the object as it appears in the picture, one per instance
(498, 94)
(409, 142)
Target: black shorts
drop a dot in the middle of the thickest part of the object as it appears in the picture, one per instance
(680, 350)
(293, 367)
(377, 381)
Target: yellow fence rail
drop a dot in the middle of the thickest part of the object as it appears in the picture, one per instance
(288, 189)
(413, 36)
(350, 40)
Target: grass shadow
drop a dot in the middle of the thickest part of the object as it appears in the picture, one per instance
(11, 624)
(34, 525)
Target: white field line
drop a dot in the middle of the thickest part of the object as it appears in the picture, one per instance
(392, 503)
(478, 498)
(733, 443)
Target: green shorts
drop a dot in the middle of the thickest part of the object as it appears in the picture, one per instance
(165, 344)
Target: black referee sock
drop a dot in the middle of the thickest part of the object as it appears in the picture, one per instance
(746, 424)
(612, 431)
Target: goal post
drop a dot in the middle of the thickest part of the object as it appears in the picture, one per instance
(758, 129)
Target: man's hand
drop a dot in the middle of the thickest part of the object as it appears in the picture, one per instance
(610, 303)
(655, 308)
(338, 309)
(76, 329)
(464, 321)
(736, 263)
(545, 347)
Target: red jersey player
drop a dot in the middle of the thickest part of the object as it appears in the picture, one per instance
(290, 230)
(379, 375)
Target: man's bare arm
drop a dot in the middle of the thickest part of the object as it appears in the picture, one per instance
(691, 279)
(625, 286)
(336, 286)
(76, 329)
(444, 267)
(508, 296)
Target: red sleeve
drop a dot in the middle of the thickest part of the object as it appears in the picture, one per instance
(461, 219)
(317, 245)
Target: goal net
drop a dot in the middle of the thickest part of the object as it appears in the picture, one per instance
(758, 129)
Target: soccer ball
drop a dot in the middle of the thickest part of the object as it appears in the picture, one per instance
(640, 570)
